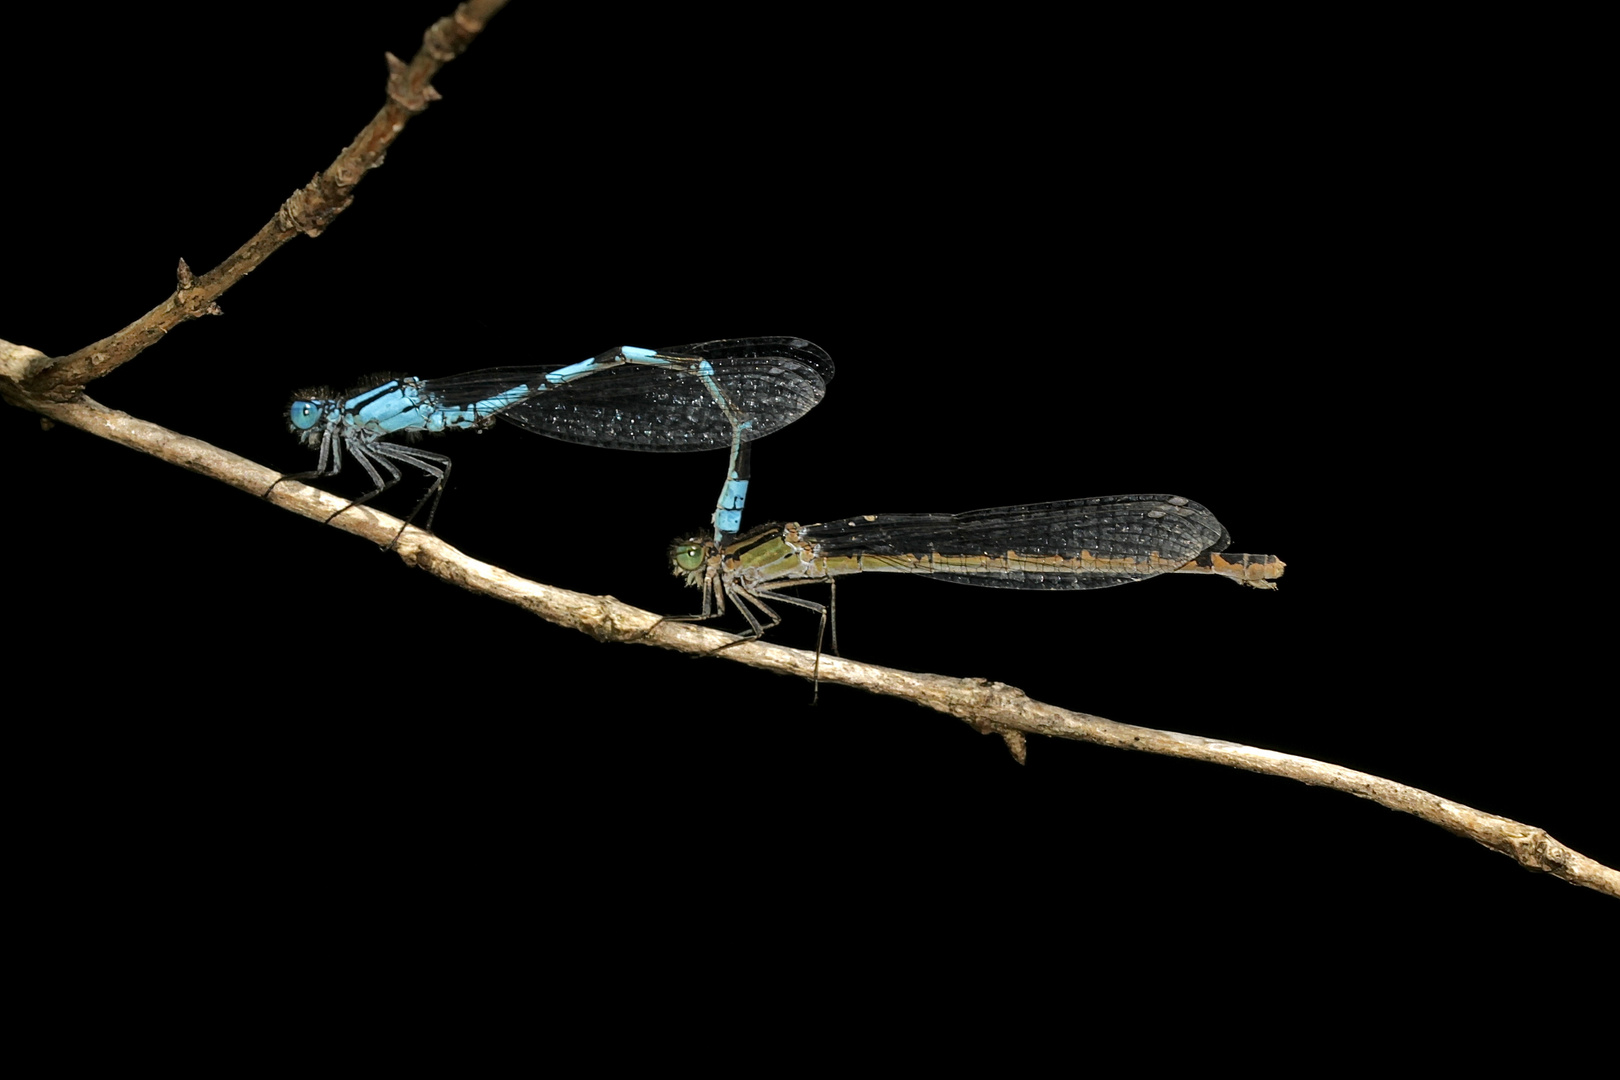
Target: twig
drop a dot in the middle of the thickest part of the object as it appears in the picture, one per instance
(309, 211)
(989, 707)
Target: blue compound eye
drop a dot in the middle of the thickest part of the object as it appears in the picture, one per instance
(304, 414)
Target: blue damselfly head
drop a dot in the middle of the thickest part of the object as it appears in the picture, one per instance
(307, 409)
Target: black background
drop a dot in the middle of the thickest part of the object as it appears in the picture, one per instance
(1137, 266)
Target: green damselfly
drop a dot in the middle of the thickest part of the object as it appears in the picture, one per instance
(1057, 546)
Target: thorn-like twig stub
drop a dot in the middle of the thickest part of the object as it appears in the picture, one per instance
(402, 93)
(191, 307)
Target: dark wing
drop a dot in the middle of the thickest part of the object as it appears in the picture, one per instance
(770, 382)
(1074, 544)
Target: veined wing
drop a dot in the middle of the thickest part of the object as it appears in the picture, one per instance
(1076, 544)
(768, 382)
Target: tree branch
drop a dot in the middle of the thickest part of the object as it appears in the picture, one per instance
(309, 211)
(989, 707)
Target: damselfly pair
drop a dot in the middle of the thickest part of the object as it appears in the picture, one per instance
(724, 394)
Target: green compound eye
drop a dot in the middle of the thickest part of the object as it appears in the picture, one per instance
(689, 556)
